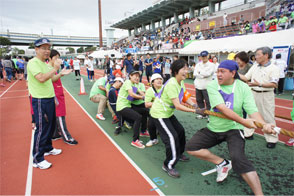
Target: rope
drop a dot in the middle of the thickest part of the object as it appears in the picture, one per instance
(258, 124)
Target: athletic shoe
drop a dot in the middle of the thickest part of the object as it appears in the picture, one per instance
(152, 142)
(115, 120)
(2, 84)
(199, 116)
(249, 137)
(223, 171)
(145, 134)
(71, 142)
(100, 117)
(127, 125)
(42, 165)
(56, 138)
(290, 142)
(171, 172)
(184, 158)
(117, 130)
(271, 145)
(138, 144)
(54, 151)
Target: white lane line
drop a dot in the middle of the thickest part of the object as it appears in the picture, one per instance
(30, 169)
(8, 88)
(16, 91)
(154, 186)
(14, 97)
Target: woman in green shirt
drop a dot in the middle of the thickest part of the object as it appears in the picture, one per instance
(151, 93)
(171, 131)
(128, 93)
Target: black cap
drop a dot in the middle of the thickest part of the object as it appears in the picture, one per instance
(129, 54)
(135, 71)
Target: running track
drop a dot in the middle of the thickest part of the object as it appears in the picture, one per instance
(93, 167)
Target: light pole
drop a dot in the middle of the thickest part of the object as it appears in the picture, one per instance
(100, 24)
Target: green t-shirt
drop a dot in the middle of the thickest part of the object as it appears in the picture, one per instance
(283, 20)
(108, 86)
(122, 101)
(139, 101)
(161, 107)
(292, 15)
(150, 95)
(36, 88)
(243, 98)
(95, 88)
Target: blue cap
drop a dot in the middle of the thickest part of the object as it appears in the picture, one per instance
(42, 41)
(230, 65)
(204, 53)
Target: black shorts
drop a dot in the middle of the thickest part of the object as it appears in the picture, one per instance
(204, 139)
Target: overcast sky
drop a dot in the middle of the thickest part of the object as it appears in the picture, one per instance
(67, 17)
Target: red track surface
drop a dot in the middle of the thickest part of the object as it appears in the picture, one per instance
(93, 167)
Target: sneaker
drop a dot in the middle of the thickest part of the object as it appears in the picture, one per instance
(56, 138)
(223, 171)
(115, 120)
(270, 145)
(117, 130)
(127, 125)
(152, 142)
(100, 117)
(171, 172)
(71, 142)
(2, 84)
(145, 134)
(54, 151)
(184, 158)
(249, 137)
(290, 142)
(199, 116)
(42, 165)
(138, 144)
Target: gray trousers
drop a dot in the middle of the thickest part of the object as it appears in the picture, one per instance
(201, 96)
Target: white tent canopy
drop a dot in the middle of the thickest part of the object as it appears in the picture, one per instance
(242, 43)
(100, 54)
(81, 56)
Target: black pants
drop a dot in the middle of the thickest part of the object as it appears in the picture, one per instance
(202, 95)
(172, 134)
(281, 85)
(77, 72)
(205, 139)
(166, 78)
(152, 128)
(61, 129)
(139, 116)
(44, 115)
(148, 74)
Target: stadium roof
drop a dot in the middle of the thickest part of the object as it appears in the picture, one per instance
(165, 8)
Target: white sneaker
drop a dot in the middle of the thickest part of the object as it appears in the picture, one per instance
(152, 142)
(100, 117)
(223, 171)
(54, 151)
(42, 165)
(199, 117)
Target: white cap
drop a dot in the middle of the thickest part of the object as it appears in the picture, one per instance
(155, 76)
(117, 67)
(119, 79)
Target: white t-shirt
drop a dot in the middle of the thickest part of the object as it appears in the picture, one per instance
(91, 65)
(282, 66)
(76, 64)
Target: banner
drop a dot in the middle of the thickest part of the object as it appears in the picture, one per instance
(212, 23)
(197, 28)
(285, 52)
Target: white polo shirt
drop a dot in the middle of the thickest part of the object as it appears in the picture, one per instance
(263, 74)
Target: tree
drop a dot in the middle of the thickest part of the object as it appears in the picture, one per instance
(31, 46)
(21, 51)
(89, 49)
(70, 50)
(80, 50)
(4, 46)
(4, 41)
